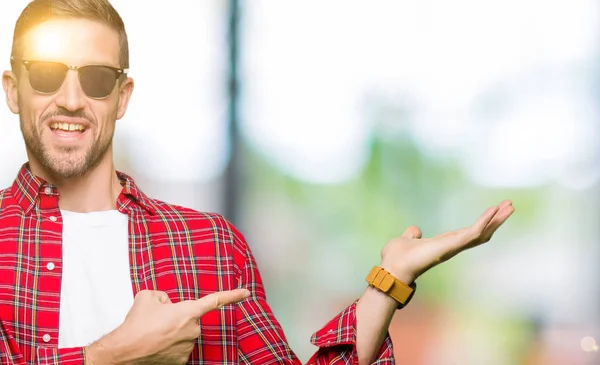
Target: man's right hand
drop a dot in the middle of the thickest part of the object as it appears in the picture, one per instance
(156, 331)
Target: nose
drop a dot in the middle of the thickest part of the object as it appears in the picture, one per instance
(70, 95)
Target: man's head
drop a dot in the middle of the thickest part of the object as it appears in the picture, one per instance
(68, 83)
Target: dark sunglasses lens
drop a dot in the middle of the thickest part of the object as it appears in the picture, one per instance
(97, 81)
(46, 77)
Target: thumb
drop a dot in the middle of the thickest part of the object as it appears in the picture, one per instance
(412, 232)
(216, 300)
(162, 297)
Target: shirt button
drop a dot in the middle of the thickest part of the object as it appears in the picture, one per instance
(48, 190)
(46, 337)
(53, 218)
(50, 266)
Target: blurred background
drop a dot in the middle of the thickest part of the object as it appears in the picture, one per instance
(322, 129)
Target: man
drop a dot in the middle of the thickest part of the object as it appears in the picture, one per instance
(93, 271)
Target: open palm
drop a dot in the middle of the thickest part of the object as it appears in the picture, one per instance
(409, 256)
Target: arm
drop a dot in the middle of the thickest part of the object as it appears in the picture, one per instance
(406, 258)
(359, 335)
(338, 341)
(260, 337)
(262, 340)
(158, 331)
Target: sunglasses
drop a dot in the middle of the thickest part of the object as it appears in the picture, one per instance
(96, 81)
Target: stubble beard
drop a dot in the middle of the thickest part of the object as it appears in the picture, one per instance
(66, 162)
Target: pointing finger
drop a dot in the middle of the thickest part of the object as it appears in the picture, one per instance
(216, 300)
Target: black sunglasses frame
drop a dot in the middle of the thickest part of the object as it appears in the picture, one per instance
(27, 63)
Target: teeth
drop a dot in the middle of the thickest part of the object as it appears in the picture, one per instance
(67, 127)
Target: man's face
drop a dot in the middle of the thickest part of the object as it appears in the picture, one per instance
(67, 133)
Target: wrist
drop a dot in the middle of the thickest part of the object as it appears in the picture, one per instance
(400, 273)
(384, 281)
(102, 352)
(385, 301)
(94, 355)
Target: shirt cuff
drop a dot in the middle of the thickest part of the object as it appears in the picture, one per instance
(341, 332)
(54, 356)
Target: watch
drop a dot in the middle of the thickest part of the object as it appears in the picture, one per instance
(382, 280)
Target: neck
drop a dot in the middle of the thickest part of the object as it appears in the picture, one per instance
(97, 190)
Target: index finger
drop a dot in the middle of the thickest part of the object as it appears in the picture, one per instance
(483, 229)
(479, 225)
(216, 300)
(499, 219)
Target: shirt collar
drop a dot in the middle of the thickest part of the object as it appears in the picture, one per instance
(27, 188)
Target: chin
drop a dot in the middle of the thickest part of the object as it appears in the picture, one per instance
(67, 172)
(66, 165)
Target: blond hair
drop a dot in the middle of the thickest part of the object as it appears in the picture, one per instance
(39, 11)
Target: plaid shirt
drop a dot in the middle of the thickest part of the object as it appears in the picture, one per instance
(185, 253)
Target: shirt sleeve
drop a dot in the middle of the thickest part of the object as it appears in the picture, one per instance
(261, 339)
(337, 342)
(55, 356)
(9, 351)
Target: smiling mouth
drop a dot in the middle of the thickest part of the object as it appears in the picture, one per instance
(67, 127)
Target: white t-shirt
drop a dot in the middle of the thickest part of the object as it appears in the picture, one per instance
(96, 292)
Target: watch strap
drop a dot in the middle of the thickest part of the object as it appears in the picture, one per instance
(382, 280)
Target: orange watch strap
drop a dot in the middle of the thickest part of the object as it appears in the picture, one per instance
(382, 280)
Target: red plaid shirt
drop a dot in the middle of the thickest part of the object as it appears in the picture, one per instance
(185, 253)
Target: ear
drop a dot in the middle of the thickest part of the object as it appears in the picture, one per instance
(125, 91)
(10, 84)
